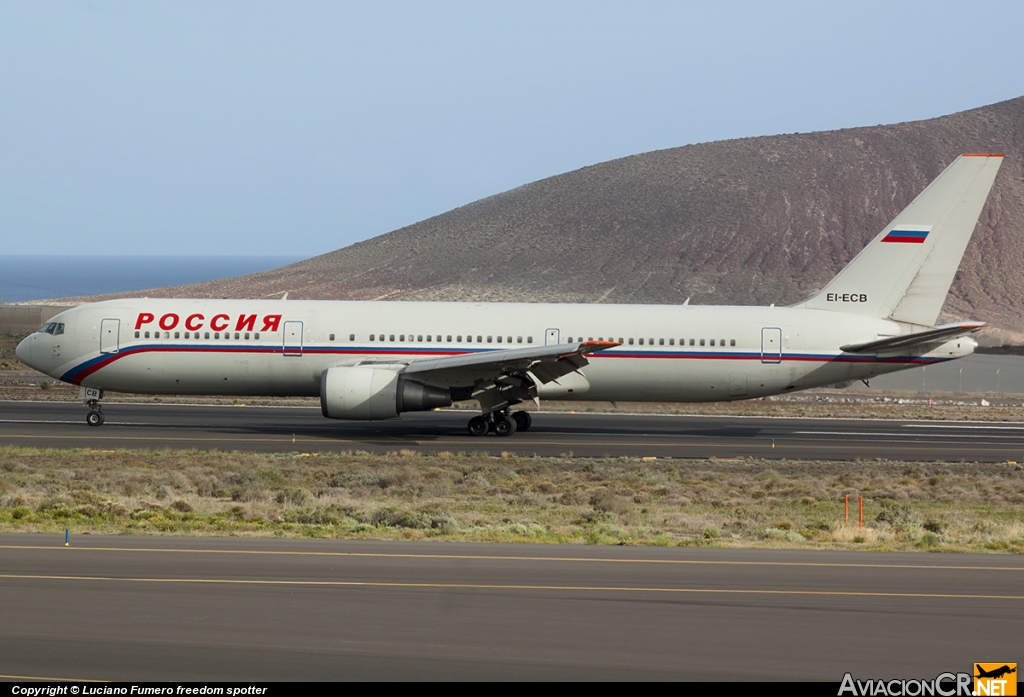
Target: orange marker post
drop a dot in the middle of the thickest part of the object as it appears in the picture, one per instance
(861, 511)
(846, 510)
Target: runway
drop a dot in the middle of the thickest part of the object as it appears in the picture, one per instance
(130, 608)
(284, 429)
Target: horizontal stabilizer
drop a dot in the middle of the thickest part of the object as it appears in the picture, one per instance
(940, 333)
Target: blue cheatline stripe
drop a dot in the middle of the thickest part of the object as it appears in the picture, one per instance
(82, 370)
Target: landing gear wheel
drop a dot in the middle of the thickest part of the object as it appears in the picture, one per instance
(523, 420)
(478, 426)
(504, 425)
(94, 418)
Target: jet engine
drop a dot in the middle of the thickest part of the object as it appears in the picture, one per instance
(367, 394)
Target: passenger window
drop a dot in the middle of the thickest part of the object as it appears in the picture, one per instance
(631, 341)
(490, 340)
(439, 338)
(641, 342)
(147, 335)
(167, 335)
(351, 337)
(590, 338)
(712, 342)
(372, 336)
(449, 338)
(207, 335)
(216, 335)
(519, 339)
(529, 339)
(459, 338)
(651, 341)
(247, 336)
(661, 342)
(236, 335)
(419, 338)
(479, 339)
(391, 338)
(428, 337)
(691, 342)
(732, 342)
(257, 337)
(499, 339)
(509, 340)
(136, 335)
(702, 342)
(402, 337)
(671, 342)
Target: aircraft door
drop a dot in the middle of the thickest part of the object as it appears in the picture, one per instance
(110, 335)
(771, 345)
(551, 337)
(292, 337)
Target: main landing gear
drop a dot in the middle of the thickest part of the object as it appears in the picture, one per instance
(95, 415)
(502, 423)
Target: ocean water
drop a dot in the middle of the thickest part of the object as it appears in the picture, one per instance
(26, 277)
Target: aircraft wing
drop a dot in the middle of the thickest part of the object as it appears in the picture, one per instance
(940, 333)
(545, 363)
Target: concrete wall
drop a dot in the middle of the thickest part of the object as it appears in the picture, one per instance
(23, 319)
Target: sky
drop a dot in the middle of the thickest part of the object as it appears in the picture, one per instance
(297, 128)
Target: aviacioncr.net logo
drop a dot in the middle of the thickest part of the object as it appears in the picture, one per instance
(943, 685)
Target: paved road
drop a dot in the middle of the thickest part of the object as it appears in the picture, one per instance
(128, 608)
(279, 429)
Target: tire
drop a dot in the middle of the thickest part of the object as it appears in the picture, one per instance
(504, 426)
(94, 418)
(478, 426)
(523, 420)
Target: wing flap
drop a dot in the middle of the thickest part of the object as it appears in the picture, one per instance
(546, 363)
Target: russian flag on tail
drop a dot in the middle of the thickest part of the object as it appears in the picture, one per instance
(913, 236)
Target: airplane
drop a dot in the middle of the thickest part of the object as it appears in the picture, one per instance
(995, 672)
(376, 360)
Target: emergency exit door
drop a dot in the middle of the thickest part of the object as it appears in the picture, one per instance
(110, 335)
(771, 345)
(292, 338)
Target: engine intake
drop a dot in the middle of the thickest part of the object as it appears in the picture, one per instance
(368, 394)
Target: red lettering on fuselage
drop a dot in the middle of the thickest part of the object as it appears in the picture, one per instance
(215, 323)
(144, 318)
(169, 321)
(194, 322)
(271, 323)
(245, 323)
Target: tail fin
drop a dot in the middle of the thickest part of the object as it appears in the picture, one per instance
(905, 272)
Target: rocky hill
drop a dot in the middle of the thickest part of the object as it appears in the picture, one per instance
(750, 221)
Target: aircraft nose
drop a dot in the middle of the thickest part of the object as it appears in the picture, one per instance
(24, 351)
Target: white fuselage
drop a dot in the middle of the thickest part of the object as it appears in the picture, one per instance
(277, 348)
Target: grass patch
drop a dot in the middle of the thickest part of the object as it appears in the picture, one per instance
(459, 496)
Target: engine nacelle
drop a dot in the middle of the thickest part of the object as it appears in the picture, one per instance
(367, 394)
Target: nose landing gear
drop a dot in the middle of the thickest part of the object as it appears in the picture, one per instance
(95, 416)
(502, 423)
(92, 397)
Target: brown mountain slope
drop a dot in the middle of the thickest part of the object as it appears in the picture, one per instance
(750, 221)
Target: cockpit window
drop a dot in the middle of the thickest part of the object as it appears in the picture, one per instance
(52, 328)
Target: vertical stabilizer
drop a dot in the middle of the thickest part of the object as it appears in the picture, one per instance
(906, 271)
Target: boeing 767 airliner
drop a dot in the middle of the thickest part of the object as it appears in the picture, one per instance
(375, 360)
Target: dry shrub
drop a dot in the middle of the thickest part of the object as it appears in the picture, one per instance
(852, 533)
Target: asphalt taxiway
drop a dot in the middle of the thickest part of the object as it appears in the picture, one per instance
(131, 608)
(289, 429)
